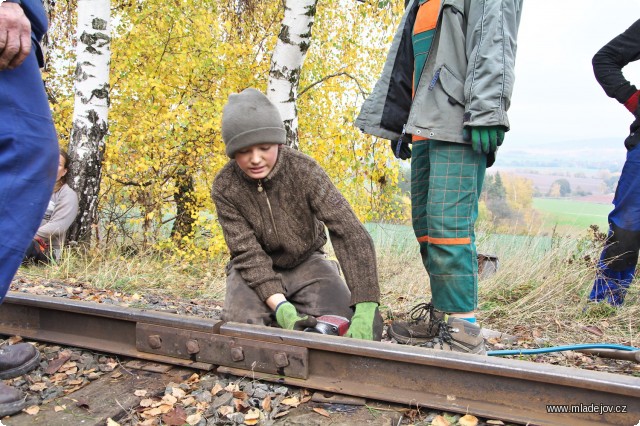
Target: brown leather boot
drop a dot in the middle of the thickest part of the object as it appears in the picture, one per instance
(18, 359)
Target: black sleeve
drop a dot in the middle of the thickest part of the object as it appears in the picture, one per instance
(609, 61)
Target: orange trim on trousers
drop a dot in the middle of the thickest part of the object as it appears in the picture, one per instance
(444, 241)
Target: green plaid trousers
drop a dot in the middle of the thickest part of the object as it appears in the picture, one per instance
(446, 181)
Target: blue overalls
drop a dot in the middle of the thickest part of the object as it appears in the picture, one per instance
(28, 151)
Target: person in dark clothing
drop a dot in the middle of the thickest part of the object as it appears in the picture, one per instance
(28, 162)
(617, 265)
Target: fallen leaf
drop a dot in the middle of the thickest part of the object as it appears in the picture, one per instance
(194, 378)
(178, 393)
(71, 390)
(495, 422)
(68, 365)
(321, 411)
(111, 422)
(148, 422)
(55, 365)
(146, 402)
(305, 399)
(169, 399)
(252, 414)
(140, 392)
(292, 402)
(153, 412)
(59, 408)
(116, 374)
(37, 387)
(175, 417)
(440, 421)
(216, 388)
(240, 395)
(240, 404)
(281, 414)
(593, 330)
(188, 401)
(194, 419)
(468, 420)
(14, 339)
(225, 410)
(165, 408)
(232, 387)
(266, 404)
(75, 382)
(59, 377)
(251, 422)
(33, 410)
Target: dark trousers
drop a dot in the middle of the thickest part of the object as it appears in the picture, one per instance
(314, 287)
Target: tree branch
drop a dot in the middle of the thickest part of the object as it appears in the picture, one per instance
(338, 74)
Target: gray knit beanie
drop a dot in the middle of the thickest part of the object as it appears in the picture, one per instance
(249, 118)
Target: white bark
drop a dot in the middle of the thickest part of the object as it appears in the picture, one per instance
(91, 88)
(287, 60)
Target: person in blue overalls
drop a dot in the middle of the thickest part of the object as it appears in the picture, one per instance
(617, 265)
(28, 163)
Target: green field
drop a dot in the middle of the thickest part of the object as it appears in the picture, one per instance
(571, 214)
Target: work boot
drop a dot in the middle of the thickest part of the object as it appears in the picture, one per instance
(458, 335)
(16, 360)
(11, 400)
(421, 327)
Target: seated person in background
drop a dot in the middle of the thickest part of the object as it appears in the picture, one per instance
(60, 214)
(273, 204)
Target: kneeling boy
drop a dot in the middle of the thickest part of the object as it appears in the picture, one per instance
(273, 204)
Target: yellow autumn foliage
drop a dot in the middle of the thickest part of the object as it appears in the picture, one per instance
(173, 66)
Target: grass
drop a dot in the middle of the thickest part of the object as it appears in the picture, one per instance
(540, 289)
(570, 214)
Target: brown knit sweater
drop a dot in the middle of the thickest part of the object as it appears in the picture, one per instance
(284, 224)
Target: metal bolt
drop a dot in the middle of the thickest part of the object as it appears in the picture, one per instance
(237, 354)
(155, 341)
(281, 359)
(193, 347)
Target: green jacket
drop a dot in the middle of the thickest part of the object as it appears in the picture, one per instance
(467, 80)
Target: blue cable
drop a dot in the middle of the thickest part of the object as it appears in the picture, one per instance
(561, 348)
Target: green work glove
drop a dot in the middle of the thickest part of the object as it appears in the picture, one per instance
(484, 139)
(362, 322)
(288, 318)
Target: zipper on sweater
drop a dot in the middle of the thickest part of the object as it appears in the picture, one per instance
(273, 222)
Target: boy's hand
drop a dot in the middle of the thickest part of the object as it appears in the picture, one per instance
(362, 322)
(288, 318)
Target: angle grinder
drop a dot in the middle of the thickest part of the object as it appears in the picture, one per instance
(333, 325)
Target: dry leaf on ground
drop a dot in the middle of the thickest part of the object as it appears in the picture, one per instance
(321, 411)
(468, 420)
(440, 421)
(33, 410)
(175, 417)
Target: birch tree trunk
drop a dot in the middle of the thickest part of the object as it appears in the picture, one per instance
(287, 60)
(87, 144)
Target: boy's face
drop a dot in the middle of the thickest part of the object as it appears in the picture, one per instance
(257, 160)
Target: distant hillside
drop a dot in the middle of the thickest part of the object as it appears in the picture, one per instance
(603, 153)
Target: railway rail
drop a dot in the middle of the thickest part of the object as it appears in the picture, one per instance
(512, 390)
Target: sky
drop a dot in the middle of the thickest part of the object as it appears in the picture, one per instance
(556, 96)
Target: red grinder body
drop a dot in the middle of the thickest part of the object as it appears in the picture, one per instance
(333, 325)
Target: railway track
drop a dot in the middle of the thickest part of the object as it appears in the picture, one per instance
(511, 390)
